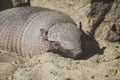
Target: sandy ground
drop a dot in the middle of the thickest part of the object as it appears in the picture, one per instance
(50, 66)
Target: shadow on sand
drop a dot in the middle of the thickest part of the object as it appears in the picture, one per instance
(99, 8)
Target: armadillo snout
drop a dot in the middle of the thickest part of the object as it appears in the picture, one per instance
(76, 55)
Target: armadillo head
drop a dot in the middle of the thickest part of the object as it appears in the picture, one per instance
(66, 39)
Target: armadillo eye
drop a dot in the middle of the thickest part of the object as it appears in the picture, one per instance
(44, 34)
(56, 45)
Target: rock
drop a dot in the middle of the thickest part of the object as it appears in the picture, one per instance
(6, 4)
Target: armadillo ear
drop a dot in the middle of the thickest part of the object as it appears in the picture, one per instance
(80, 25)
(43, 34)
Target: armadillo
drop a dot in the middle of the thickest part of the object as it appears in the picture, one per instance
(31, 31)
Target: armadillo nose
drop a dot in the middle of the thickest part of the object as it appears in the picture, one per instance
(78, 55)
